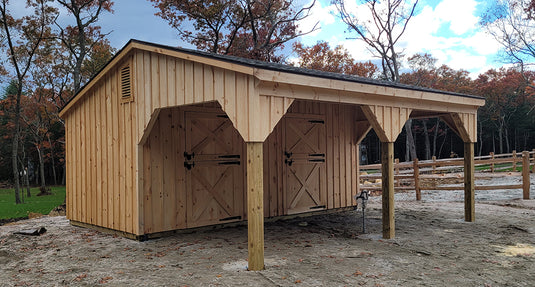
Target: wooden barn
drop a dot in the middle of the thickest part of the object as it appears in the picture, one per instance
(166, 138)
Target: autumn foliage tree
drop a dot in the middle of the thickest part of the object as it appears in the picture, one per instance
(425, 73)
(509, 100)
(256, 29)
(84, 37)
(23, 37)
(338, 60)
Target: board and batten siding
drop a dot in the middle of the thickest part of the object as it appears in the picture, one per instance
(341, 157)
(165, 81)
(106, 133)
(164, 190)
(101, 136)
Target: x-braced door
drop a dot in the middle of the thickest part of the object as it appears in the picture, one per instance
(214, 169)
(304, 157)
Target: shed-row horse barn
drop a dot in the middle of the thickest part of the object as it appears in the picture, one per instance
(165, 138)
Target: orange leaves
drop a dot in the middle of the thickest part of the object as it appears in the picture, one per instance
(338, 60)
(105, 280)
(80, 277)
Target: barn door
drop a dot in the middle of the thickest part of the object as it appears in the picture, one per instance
(304, 158)
(214, 169)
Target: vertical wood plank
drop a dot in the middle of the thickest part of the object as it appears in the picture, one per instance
(84, 164)
(329, 158)
(514, 160)
(67, 166)
(156, 209)
(267, 177)
(208, 82)
(416, 169)
(348, 143)
(147, 186)
(155, 81)
(147, 88)
(140, 91)
(76, 159)
(229, 103)
(280, 172)
(525, 175)
(387, 170)
(180, 85)
(129, 166)
(121, 160)
(198, 82)
(103, 112)
(90, 170)
(219, 85)
(110, 152)
(179, 148)
(98, 149)
(136, 188)
(116, 151)
(168, 170)
(255, 190)
(336, 153)
(241, 115)
(188, 83)
(469, 187)
(162, 76)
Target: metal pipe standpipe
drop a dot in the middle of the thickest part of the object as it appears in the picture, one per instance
(362, 199)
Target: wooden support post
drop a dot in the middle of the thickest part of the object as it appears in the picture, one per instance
(469, 186)
(514, 160)
(396, 171)
(417, 179)
(533, 165)
(492, 163)
(387, 169)
(525, 174)
(255, 205)
(434, 158)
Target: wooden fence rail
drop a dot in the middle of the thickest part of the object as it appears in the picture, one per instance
(410, 175)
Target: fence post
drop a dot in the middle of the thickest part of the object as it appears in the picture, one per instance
(533, 166)
(525, 174)
(434, 158)
(396, 172)
(492, 161)
(514, 160)
(417, 180)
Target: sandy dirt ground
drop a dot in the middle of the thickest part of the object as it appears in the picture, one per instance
(434, 246)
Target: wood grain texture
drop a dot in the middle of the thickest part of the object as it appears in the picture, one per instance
(387, 171)
(255, 205)
(469, 183)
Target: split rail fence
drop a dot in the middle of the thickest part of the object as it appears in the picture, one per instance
(439, 174)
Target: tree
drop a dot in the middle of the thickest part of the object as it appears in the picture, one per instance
(381, 33)
(256, 29)
(424, 73)
(83, 38)
(23, 37)
(512, 24)
(338, 60)
(506, 93)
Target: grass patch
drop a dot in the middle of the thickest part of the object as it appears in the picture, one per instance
(37, 204)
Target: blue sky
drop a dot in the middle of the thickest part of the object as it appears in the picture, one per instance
(447, 29)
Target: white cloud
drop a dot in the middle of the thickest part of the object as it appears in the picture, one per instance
(459, 14)
(322, 16)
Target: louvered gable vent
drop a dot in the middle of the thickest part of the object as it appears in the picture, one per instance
(126, 82)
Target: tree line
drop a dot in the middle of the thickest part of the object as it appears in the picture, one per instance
(47, 61)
